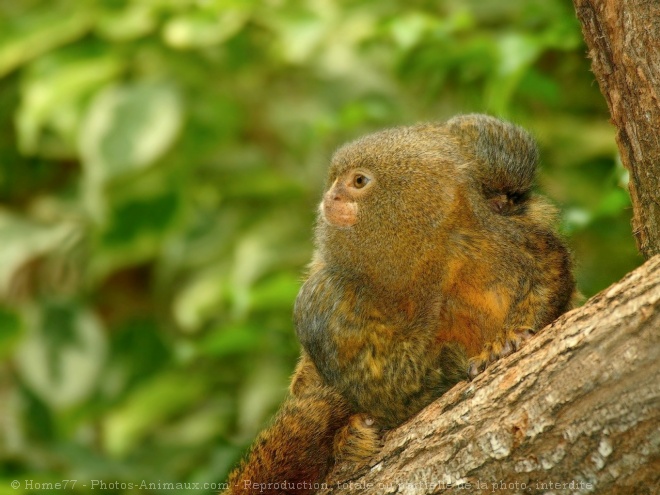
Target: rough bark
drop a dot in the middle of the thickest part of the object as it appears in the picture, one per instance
(578, 404)
(623, 37)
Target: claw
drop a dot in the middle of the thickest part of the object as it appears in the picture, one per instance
(508, 348)
(475, 368)
(512, 341)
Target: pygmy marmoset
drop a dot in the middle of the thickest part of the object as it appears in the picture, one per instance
(433, 258)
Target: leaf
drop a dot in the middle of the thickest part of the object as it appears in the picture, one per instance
(265, 388)
(139, 218)
(138, 351)
(54, 87)
(613, 203)
(299, 35)
(137, 19)
(128, 128)
(37, 32)
(23, 241)
(134, 228)
(575, 219)
(231, 339)
(516, 53)
(148, 407)
(409, 28)
(276, 292)
(11, 328)
(201, 29)
(63, 353)
(201, 298)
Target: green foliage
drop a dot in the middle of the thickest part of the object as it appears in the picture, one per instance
(160, 163)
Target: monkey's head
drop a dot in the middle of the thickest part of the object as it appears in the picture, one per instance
(395, 200)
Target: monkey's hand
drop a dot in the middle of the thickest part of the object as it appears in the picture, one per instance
(511, 341)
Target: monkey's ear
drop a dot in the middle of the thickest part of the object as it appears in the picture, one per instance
(502, 157)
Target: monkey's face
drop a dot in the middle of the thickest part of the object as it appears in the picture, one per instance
(341, 203)
(387, 200)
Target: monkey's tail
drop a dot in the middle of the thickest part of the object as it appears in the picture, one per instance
(294, 454)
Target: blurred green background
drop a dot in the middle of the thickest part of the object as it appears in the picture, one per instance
(160, 166)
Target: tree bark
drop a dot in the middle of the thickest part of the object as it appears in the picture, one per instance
(623, 37)
(578, 404)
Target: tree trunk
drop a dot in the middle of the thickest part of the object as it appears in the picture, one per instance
(574, 411)
(623, 37)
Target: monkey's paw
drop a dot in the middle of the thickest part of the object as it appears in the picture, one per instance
(358, 441)
(512, 341)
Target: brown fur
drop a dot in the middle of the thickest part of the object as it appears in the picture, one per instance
(443, 263)
(298, 448)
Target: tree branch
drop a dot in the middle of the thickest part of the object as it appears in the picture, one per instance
(579, 404)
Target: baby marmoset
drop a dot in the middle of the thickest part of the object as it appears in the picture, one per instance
(433, 258)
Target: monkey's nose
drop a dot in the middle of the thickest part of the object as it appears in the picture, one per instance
(332, 195)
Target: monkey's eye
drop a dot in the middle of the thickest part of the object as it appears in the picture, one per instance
(359, 181)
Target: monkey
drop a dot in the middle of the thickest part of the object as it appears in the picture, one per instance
(433, 258)
(431, 251)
